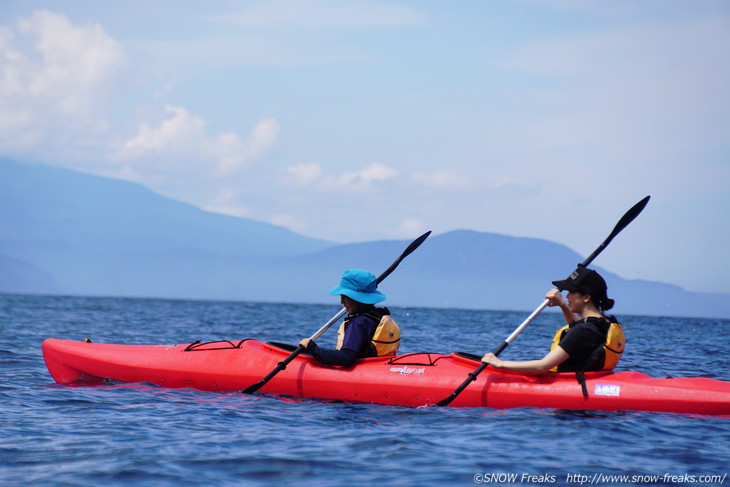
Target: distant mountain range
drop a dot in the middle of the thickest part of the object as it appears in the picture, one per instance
(64, 232)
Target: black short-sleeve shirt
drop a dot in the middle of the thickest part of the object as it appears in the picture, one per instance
(581, 340)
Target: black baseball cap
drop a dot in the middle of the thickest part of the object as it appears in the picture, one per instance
(587, 281)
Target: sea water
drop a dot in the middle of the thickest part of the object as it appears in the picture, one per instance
(143, 435)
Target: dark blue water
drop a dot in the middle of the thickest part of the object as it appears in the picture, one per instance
(137, 434)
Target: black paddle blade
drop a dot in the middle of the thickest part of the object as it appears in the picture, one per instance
(413, 246)
(628, 217)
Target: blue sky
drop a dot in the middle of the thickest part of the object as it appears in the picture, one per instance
(358, 120)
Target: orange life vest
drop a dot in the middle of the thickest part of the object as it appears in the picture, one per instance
(613, 347)
(386, 338)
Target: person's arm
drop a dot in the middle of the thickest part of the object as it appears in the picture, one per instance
(555, 357)
(344, 358)
(353, 346)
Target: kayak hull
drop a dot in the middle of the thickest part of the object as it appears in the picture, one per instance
(417, 379)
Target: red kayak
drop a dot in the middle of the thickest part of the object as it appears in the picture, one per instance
(415, 379)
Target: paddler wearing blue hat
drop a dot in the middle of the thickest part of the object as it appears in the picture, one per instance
(367, 331)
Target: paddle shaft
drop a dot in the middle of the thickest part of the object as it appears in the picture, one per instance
(282, 365)
(622, 223)
(473, 375)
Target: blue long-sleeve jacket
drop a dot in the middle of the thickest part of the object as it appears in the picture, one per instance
(356, 344)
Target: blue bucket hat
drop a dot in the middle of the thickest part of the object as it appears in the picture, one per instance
(360, 286)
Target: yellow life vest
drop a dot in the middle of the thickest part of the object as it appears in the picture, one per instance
(613, 348)
(386, 338)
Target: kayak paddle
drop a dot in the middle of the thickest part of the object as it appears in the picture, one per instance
(282, 365)
(623, 223)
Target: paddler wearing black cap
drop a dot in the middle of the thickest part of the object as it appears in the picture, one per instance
(590, 341)
(367, 331)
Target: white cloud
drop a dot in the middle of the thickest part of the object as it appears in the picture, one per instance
(226, 202)
(53, 79)
(312, 176)
(178, 133)
(74, 59)
(443, 180)
(181, 139)
(363, 179)
(411, 227)
(289, 221)
(304, 175)
(262, 139)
